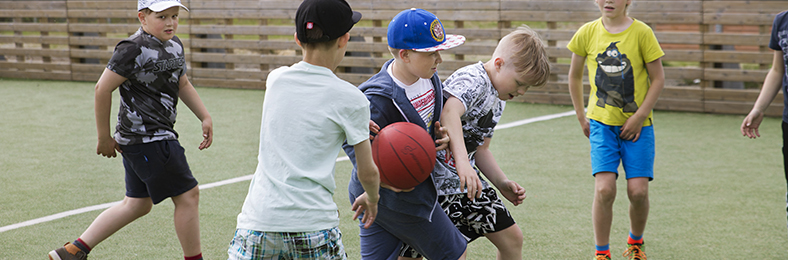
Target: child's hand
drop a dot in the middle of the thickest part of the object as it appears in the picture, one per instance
(750, 124)
(513, 192)
(443, 137)
(469, 179)
(106, 147)
(374, 128)
(585, 126)
(362, 204)
(207, 133)
(631, 129)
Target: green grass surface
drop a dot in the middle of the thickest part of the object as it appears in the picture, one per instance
(717, 195)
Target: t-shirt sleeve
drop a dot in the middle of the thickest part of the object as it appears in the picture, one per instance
(124, 59)
(651, 49)
(578, 42)
(356, 125)
(464, 87)
(774, 42)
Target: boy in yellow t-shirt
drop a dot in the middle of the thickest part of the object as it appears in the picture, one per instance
(625, 72)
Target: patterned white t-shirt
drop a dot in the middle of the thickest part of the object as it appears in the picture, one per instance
(483, 109)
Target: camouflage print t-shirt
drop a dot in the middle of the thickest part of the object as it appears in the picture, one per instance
(483, 109)
(149, 97)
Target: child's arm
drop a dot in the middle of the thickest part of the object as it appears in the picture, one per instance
(631, 128)
(771, 85)
(192, 100)
(107, 83)
(450, 119)
(489, 167)
(370, 180)
(576, 91)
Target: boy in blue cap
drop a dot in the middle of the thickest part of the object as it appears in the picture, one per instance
(407, 89)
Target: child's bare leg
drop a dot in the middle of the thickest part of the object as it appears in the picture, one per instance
(115, 218)
(602, 208)
(637, 190)
(187, 221)
(509, 242)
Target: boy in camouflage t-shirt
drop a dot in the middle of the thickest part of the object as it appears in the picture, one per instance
(149, 68)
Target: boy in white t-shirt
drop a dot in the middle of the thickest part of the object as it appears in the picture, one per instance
(289, 212)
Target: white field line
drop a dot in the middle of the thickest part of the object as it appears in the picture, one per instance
(233, 180)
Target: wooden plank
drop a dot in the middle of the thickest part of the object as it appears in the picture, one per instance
(738, 95)
(734, 75)
(34, 52)
(34, 39)
(736, 39)
(34, 27)
(223, 83)
(660, 6)
(33, 13)
(679, 105)
(48, 67)
(106, 28)
(736, 56)
(34, 75)
(761, 7)
(738, 19)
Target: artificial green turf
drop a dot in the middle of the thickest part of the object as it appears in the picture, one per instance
(716, 195)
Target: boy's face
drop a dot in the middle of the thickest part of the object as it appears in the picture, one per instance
(423, 64)
(162, 25)
(509, 83)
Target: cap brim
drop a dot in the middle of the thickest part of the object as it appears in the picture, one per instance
(356, 17)
(161, 6)
(451, 42)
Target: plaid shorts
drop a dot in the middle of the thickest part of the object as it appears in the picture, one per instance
(257, 245)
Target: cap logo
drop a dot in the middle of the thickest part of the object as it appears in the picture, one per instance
(309, 25)
(437, 31)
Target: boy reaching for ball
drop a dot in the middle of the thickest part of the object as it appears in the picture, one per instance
(407, 89)
(476, 96)
(289, 211)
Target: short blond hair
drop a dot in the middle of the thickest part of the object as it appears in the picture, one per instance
(524, 49)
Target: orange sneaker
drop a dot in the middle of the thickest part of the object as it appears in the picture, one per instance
(635, 251)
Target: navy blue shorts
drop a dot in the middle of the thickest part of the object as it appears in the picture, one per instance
(157, 170)
(437, 240)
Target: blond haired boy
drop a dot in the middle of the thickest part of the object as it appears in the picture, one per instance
(477, 96)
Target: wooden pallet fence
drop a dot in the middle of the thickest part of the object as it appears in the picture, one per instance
(716, 51)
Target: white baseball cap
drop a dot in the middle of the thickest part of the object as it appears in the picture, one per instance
(159, 5)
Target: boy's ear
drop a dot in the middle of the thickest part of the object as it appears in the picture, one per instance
(141, 16)
(499, 62)
(404, 55)
(343, 40)
(295, 37)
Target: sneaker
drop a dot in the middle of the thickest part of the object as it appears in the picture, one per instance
(635, 251)
(602, 257)
(67, 252)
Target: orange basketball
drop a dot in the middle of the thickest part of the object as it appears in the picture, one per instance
(404, 153)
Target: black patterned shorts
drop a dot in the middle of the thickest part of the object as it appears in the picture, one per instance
(473, 218)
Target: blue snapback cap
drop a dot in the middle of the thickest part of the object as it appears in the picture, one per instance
(420, 30)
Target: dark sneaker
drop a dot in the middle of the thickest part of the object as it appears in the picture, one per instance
(67, 252)
(602, 257)
(635, 251)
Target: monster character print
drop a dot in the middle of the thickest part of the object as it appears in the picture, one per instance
(614, 80)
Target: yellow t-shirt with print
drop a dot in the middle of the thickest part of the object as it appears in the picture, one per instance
(616, 69)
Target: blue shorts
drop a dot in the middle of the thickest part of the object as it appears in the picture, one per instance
(157, 170)
(608, 151)
(436, 240)
(257, 245)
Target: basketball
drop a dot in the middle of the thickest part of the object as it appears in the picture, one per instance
(404, 153)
